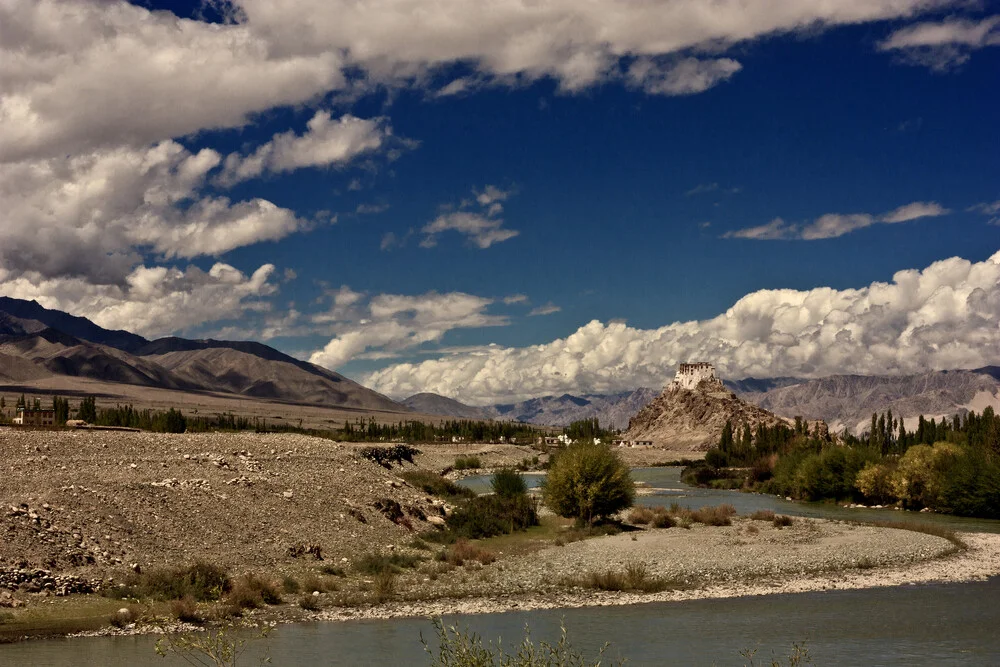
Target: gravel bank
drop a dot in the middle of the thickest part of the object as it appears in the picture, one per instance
(94, 502)
(707, 562)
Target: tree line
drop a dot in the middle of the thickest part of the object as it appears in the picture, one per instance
(951, 465)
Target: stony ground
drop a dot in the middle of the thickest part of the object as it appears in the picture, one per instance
(96, 502)
(747, 558)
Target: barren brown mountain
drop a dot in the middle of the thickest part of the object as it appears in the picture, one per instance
(37, 355)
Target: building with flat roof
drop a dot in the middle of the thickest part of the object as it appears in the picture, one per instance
(33, 417)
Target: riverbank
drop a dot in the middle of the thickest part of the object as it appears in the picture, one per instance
(748, 558)
(707, 562)
(149, 500)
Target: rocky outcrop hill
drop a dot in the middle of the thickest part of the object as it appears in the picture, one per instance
(692, 420)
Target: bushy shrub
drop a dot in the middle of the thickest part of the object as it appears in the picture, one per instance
(782, 521)
(386, 456)
(486, 516)
(467, 463)
(717, 515)
(507, 483)
(436, 485)
(635, 578)
(716, 458)
(920, 476)
(373, 563)
(251, 591)
(185, 610)
(385, 585)
(588, 482)
(201, 581)
(874, 482)
(309, 602)
(463, 551)
(290, 584)
(641, 516)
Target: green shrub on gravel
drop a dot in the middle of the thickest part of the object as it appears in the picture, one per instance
(201, 581)
(251, 591)
(467, 463)
(486, 516)
(436, 485)
(588, 482)
(372, 563)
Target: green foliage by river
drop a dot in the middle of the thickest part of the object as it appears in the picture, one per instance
(950, 467)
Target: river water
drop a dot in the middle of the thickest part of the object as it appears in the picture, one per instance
(947, 624)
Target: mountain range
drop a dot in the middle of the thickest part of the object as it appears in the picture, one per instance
(844, 402)
(37, 343)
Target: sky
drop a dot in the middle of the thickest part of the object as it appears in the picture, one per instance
(498, 199)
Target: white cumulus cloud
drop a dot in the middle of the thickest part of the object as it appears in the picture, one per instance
(151, 301)
(944, 316)
(95, 214)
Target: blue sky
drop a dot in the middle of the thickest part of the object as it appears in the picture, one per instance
(496, 204)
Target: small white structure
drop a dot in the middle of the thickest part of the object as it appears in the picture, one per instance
(689, 375)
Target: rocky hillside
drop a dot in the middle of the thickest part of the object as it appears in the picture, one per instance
(692, 420)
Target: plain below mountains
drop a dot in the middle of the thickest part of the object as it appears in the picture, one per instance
(37, 343)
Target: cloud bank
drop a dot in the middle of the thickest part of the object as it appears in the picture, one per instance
(945, 316)
(151, 301)
(79, 75)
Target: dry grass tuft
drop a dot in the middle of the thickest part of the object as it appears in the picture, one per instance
(185, 610)
(464, 551)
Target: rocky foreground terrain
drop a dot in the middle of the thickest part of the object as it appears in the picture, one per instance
(93, 503)
(78, 508)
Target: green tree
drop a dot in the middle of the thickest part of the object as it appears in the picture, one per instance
(588, 482)
(88, 410)
(726, 440)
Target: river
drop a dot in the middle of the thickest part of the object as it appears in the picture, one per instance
(946, 624)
